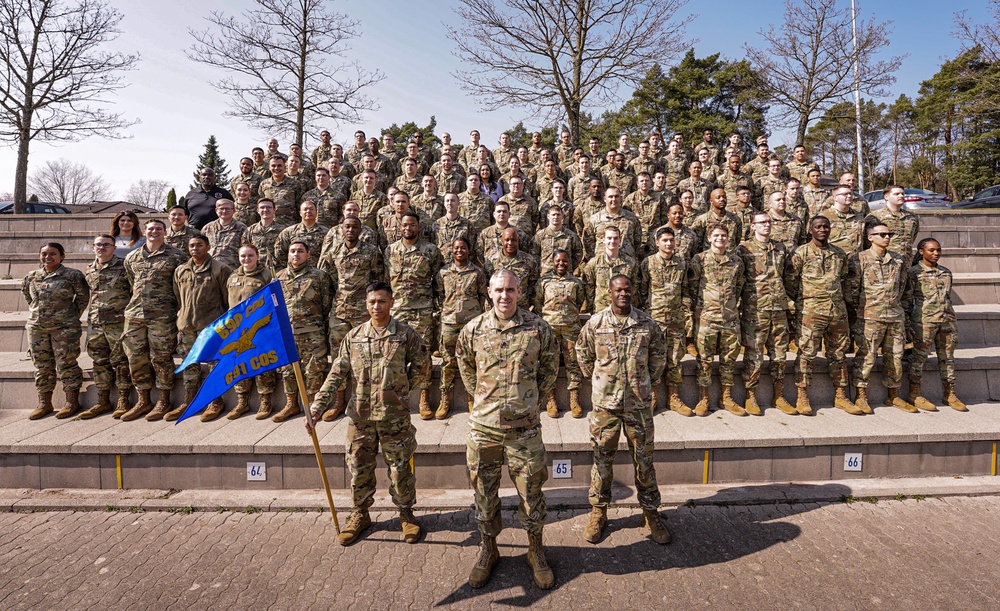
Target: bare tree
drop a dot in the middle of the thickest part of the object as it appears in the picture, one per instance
(67, 182)
(55, 76)
(286, 63)
(148, 193)
(985, 36)
(562, 57)
(808, 65)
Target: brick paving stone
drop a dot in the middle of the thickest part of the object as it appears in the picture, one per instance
(930, 553)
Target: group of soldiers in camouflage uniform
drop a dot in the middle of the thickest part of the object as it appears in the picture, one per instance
(385, 257)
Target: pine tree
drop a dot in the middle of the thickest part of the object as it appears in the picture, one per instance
(211, 159)
(171, 199)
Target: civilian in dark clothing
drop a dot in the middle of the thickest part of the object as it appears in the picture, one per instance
(200, 203)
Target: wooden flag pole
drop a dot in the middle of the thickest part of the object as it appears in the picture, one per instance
(305, 402)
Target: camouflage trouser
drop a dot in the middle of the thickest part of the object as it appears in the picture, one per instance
(766, 332)
(449, 364)
(312, 355)
(566, 336)
(857, 334)
(396, 436)
(942, 336)
(605, 430)
(149, 346)
(814, 330)
(55, 351)
(104, 345)
(422, 322)
(891, 336)
(192, 375)
(266, 383)
(717, 338)
(676, 344)
(525, 457)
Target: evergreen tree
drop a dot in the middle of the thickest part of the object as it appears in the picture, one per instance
(212, 159)
(171, 199)
(33, 199)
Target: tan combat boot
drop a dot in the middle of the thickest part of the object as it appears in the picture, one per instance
(729, 404)
(472, 402)
(122, 405)
(692, 349)
(676, 404)
(44, 406)
(72, 404)
(174, 414)
(488, 558)
(842, 401)
(544, 577)
(779, 399)
(951, 399)
(357, 522)
(142, 407)
(575, 409)
(892, 398)
(551, 407)
(595, 525)
(213, 411)
(701, 409)
(751, 405)
(338, 406)
(861, 402)
(657, 529)
(292, 409)
(802, 402)
(444, 407)
(242, 405)
(411, 528)
(918, 400)
(426, 413)
(162, 407)
(264, 410)
(102, 406)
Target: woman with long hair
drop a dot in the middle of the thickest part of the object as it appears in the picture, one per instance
(125, 230)
(490, 185)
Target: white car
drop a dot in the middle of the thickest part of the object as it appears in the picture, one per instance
(913, 199)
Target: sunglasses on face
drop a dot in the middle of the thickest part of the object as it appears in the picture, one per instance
(882, 234)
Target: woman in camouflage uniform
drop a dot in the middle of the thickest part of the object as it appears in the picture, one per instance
(56, 297)
(249, 278)
(927, 302)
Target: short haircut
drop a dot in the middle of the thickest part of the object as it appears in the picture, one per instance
(412, 214)
(375, 287)
(57, 246)
(664, 230)
(617, 277)
(162, 224)
(505, 272)
(202, 237)
(302, 242)
(712, 227)
(463, 239)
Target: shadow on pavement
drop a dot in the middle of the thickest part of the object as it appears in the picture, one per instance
(720, 528)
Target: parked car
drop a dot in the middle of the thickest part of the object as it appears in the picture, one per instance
(913, 199)
(987, 198)
(36, 208)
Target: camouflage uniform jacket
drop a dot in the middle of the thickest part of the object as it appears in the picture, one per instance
(335, 237)
(625, 181)
(264, 238)
(385, 364)
(446, 231)
(817, 281)
(478, 208)
(488, 242)
(523, 213)
(768, 269)
(252, 181)
(340, 188)
(579, 186)
(729, 220)
(714, 152)
(904, 226)
(110, 291)
(544, 186)
(563, 153)
(560, 299)
(626, 222)
(462, 293)
(583, 209)
(178, 238)
(202, 293)
(287, 196)
(152, 277)
(663, 288)
(686, 241)
(621, 359)
(765, 186)
(524, 266)
(787, 229)
(814, 198)
(328, 205)
(674, 167)
(701, 190)
(355, 153)
(370, 204)
(321, 154)
(875, 285)
(429, 206)
(313, 236)
(569, 213)
(716, 283)
(756, 168)
(412, 186)
(309, 296)
(648, 165)
(597, 273)
(927, 298)
(55, 299)
(745, 214)
(225, 241)
(847, 230)
(549, 239)
(507, 365)
(650, 211)
(390, 227)
(729, 181)
(410, 269)
(502, 155)
(352, 270)
(800, 170)
(242, 284)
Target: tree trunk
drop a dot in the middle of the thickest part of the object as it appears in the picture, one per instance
(573, 119)
(21, 173)
(800, 132)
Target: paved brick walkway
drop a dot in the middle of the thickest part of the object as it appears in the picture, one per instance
(932, 553)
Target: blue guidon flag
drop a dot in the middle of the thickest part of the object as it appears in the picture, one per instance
(251, 338)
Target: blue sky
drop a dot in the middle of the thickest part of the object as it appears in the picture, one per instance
(180, 105)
